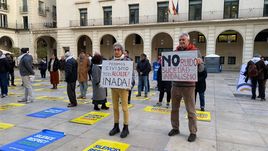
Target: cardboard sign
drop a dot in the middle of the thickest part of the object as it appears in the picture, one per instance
(179, 66)
(50, 98)
(48, 112)
(5, 126)
(202, 116)
(157, 109)
(10, 106)
(34, 142)
(106, 145)
(242, 86)
(90, 118)
(116, 74)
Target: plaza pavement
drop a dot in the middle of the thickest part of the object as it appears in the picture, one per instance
(237, 123)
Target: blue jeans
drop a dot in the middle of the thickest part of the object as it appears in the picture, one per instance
(83, 88)
(201, 98)
(144, 80)
(4, 83)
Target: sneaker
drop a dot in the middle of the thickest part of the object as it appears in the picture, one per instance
(138, 95)
(202, 109)
(167, 105)
(173, 132)
(145, 96)
(191, 137)
(158, 104)
(80, 97)
(4, 95)
(22, 100)
(31, 101)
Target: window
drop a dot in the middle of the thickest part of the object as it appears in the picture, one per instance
(24, 6)
(3, 4)
(195, 9)
(231, 59)
(265, 8)
(231, 9)
(25, 22)
(41, 8)
(134, 14)
(222, 59)
(83, 17)
(201, 39)
(3, 21)
(162, 12)
(107, 12)
(54, 12)
(227, 38)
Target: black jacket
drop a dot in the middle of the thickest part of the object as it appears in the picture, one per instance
(144, 67)
(162, 85)
(201, 83)
(62, 64)
(56, 64)
(71, 70)
(4, 66)
(42, 65)
(11, 65)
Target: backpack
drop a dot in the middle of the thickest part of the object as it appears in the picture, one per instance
(252, 71)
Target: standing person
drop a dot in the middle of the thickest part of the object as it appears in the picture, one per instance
(70, 78)
(121, 94)
(185, 90)
(99, 93)
(26, 70)
(11, 63)
(4, 69)
(163, 86)
(143, 69)
(43, 67)
(126, 53)
(62, 68)
(90, 66)
(200, 87)
(53, 67)
(83, 67)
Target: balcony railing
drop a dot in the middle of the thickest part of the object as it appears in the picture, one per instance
(24, 9)
(4, 7)
(45, 25)
(38, 26)
(181, 17)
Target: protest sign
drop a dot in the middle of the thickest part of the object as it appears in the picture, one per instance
(90, 118)
(116, 74)
(106, 145)
(10, 106)
(202, 116)
(34, 142)
(48, 112)
(157, 109)
(179, 66)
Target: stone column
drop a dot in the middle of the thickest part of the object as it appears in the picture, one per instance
(211, 41)
(248, 44)
(95, 43)
(147, 44)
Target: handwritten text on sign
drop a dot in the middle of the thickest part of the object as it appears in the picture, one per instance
(179, 66)
(116, 74)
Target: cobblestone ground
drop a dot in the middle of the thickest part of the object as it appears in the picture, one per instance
(237, 123)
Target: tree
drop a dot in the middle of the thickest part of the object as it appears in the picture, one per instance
(15, 51)
(42, 52)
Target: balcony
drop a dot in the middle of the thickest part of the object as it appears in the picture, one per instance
(181, 17)
(24, 9)
(4, 7)
(45, 25)
(42, 11)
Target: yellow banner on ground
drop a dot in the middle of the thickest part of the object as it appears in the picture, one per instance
(202, 116)
(38, 80)
(39, 84)
(10, 105)
(157, 109)
(44, 90)
(5, 126)
(14, 94)
(107, 145)
(62, 86)
(50, 98)
(90, 118)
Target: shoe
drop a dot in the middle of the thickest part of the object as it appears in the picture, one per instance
(31, 101)
(4, 95)
(191, 137)
(167, 105)
(71, 105)
(202, 109)
(173, 132)
(158, 104)
(263, 99)
(96, 108)
(138, 95)
(79, 97)
(124, 132)
(22, 100)
(83, 97)
(13, 85)
(104, 107)
(258, 96)
(145, 96)
(253, 98)
(115, 130)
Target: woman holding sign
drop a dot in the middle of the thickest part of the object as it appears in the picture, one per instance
(120, 94)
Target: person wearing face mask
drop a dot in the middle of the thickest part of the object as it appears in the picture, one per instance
(83, 67)
(53, 67)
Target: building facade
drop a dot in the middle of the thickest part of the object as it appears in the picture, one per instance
(233, 29)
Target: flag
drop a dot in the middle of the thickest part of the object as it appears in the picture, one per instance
(177, 8)
(171, 7)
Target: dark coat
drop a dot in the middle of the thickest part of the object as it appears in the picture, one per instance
(71, 70)
(144, 67)
(162, 85)
(201, 83)
(4, 65)
(11, 63)
(62, 64)
(42, 65)
(56, 64)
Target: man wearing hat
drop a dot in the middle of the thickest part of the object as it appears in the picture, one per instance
(26, 70)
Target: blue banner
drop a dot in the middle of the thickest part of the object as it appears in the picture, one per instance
(48, 112)
(156, 66)
(34, 142)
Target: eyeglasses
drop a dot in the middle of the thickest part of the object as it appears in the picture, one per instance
(117, 49)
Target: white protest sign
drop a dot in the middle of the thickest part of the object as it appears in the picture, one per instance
(179, 66)
(116, 74)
